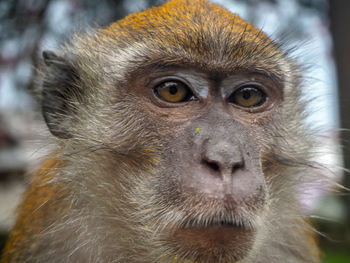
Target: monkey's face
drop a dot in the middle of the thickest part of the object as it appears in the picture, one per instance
(185, 146)
(209, 190)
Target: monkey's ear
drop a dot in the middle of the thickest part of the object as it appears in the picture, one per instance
(59, 93)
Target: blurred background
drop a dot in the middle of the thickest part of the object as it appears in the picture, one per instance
(318, 31)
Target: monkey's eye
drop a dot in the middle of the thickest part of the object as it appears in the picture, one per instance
(173, 91)
(249, 96)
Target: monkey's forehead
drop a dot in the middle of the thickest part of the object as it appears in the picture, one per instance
(196, 23)
(195, 32)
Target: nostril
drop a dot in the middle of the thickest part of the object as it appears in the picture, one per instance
(212, 165)
(237, 166)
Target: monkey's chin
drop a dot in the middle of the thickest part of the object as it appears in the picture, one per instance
(214, 243)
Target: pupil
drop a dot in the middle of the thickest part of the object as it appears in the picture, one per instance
(172, 90)
(246, 95)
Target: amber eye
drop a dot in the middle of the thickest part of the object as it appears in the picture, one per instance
(173, 91)
(248, 96)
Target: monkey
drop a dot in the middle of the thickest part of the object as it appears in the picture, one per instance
(180, 138)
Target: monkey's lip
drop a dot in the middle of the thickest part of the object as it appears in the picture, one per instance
(220, 236)
(220, 230)
(219, 223)
(216, 230)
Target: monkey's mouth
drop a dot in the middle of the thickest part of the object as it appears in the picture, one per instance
(215, 231)
(219, 223)
(215, 236)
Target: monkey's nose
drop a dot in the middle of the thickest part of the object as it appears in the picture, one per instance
(222, 158)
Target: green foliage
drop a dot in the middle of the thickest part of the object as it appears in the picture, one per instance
(341, 255)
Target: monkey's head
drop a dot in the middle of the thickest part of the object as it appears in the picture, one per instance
(182, 124)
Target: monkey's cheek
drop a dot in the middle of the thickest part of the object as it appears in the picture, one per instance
(216, 242)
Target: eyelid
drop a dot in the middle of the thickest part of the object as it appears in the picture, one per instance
(243, 84)
(161, 80)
